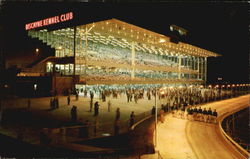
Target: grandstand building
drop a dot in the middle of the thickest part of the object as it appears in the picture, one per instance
(113, 52)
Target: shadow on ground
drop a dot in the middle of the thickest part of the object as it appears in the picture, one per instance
(136, 142)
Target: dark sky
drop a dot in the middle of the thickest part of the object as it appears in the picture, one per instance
(218, 27)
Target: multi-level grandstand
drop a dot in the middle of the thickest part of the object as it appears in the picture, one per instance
(115, 52)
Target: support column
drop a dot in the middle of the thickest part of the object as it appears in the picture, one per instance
(85, 55)
(179, 68)
(202, 68)
(133, 60)
(74, 49)
(198, 67)
(205, 71)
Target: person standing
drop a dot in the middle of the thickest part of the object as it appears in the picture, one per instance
(77, 95)
(91, 96)
(153, 110)
(215, 114)
(68, 99)
(96, 108)
(74, 113)
(162, 116)
(56, 102)
(109, 106)
(127, 93)
(209, 114)
(118, 114)
(132, 118)
(85, 93)
(90, 106)
(204, 112)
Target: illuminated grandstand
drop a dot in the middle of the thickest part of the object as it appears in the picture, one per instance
(115, 52)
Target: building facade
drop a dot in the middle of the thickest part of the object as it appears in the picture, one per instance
(114, 52)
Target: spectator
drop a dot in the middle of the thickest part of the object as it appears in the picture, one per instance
(91, 95)
(117, 114)
(68, 99)
(162, 116)
(215, 114)
(109, 106)
(209, 113)
(77, 95)
(56, 102)
(90, 105)
(204, 113)
(96, 108)
(153, 110)
(74, 113)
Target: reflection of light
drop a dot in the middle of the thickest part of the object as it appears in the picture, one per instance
(35, 86)
(105, 134)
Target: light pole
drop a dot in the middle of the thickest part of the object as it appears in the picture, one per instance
(237, 90)
(201, 99)
(216, 96)
(156, 113)
(228, 86)
(155, 119)
(210, 86)
(232, 91)
(222, 88)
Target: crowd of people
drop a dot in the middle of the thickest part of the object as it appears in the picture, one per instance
(181, 101)
(102, 52)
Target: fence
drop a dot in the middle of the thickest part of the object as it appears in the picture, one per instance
(229, 139)
(93, 130)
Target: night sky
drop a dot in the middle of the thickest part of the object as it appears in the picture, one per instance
(218, 27)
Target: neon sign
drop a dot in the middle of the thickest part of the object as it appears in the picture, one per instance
(48, 21)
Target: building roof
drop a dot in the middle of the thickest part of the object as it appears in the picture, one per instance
(140, 35)
(123, 34)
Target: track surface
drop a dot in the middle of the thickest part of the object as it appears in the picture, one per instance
(184, 139)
